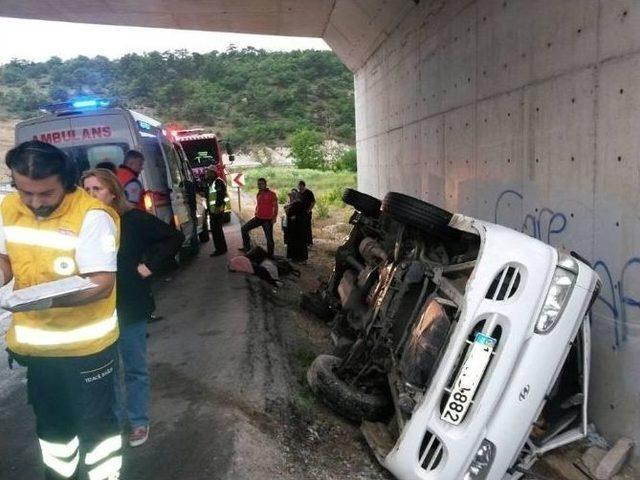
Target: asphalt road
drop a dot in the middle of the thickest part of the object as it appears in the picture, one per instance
(201, 388)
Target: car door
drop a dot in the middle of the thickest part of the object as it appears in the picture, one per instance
(179, 196)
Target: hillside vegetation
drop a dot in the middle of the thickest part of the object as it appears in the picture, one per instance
(253, 97)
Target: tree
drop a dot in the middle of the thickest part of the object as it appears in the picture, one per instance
(306, 148)
(258, 98)
(347, 161)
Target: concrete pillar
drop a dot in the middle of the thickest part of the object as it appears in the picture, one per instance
(525, 113)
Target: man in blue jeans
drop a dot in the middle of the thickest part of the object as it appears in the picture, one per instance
(265, 216)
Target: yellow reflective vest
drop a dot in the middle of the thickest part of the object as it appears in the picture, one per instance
(44, 250)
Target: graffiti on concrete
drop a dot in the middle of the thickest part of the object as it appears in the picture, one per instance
(540, 224)
(544, 224)
(616, 299)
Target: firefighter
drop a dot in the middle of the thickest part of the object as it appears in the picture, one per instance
(217, 195)
(49, 230)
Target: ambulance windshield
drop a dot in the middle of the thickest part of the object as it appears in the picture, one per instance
(89, 156)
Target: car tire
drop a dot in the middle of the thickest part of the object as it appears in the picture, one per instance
(416, 213)
(315, 304)
(345, 399)
(203, 236)
(365, 204)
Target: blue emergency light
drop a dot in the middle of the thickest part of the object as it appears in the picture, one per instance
(77, 104)
(91, 103)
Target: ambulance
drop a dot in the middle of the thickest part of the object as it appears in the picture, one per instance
(91, 131)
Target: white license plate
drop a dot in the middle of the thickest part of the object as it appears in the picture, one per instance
(468, 379)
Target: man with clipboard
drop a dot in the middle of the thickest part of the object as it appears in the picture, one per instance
(51, 230)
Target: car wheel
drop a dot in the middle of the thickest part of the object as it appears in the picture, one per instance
(315, 304)
(203, 236)
(345, 399)
(416, 213)
(365, 204)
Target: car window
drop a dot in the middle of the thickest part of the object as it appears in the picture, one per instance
(201, 153)
(155, 169)
(88, 156)
(105, 153)
(184, 164)
(173, 163)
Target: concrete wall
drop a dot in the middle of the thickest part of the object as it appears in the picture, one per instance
(525, 113)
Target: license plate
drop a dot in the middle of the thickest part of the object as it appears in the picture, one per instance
(468, 379)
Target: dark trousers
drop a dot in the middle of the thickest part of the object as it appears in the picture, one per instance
(73, 399)
(255, 222)
(308, 232)
(219, 242)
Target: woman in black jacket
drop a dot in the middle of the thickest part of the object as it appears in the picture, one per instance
(146, 243)
(295, 233)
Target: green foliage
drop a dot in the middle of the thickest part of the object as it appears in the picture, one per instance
(283, 196)
(286, 178)
(334, 195)
(347, 161)
(307, 151)
(322, 207)
(252, 96)
(23, 102)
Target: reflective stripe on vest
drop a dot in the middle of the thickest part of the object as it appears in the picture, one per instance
(40, 238)
(37, 336)
(43, 250)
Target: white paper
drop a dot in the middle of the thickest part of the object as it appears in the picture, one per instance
(19, 299)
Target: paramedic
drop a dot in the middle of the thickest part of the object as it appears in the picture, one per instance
(50, 230)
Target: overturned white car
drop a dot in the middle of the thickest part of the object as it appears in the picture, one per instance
(462, 346)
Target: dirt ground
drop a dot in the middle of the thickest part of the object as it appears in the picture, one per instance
(317, 444)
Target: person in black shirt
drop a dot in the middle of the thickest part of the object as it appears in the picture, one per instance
(295, 233)
(308, 200)
(146, 244)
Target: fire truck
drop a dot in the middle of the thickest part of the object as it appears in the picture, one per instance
(203, 152)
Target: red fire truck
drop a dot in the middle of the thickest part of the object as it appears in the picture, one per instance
(203, 152)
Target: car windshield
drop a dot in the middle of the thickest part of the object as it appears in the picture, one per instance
(201, 153)
(89, 156)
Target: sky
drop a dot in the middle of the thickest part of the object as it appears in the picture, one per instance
(38, 40)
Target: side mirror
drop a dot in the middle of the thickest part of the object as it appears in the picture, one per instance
(232, 158)
(229, 150)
